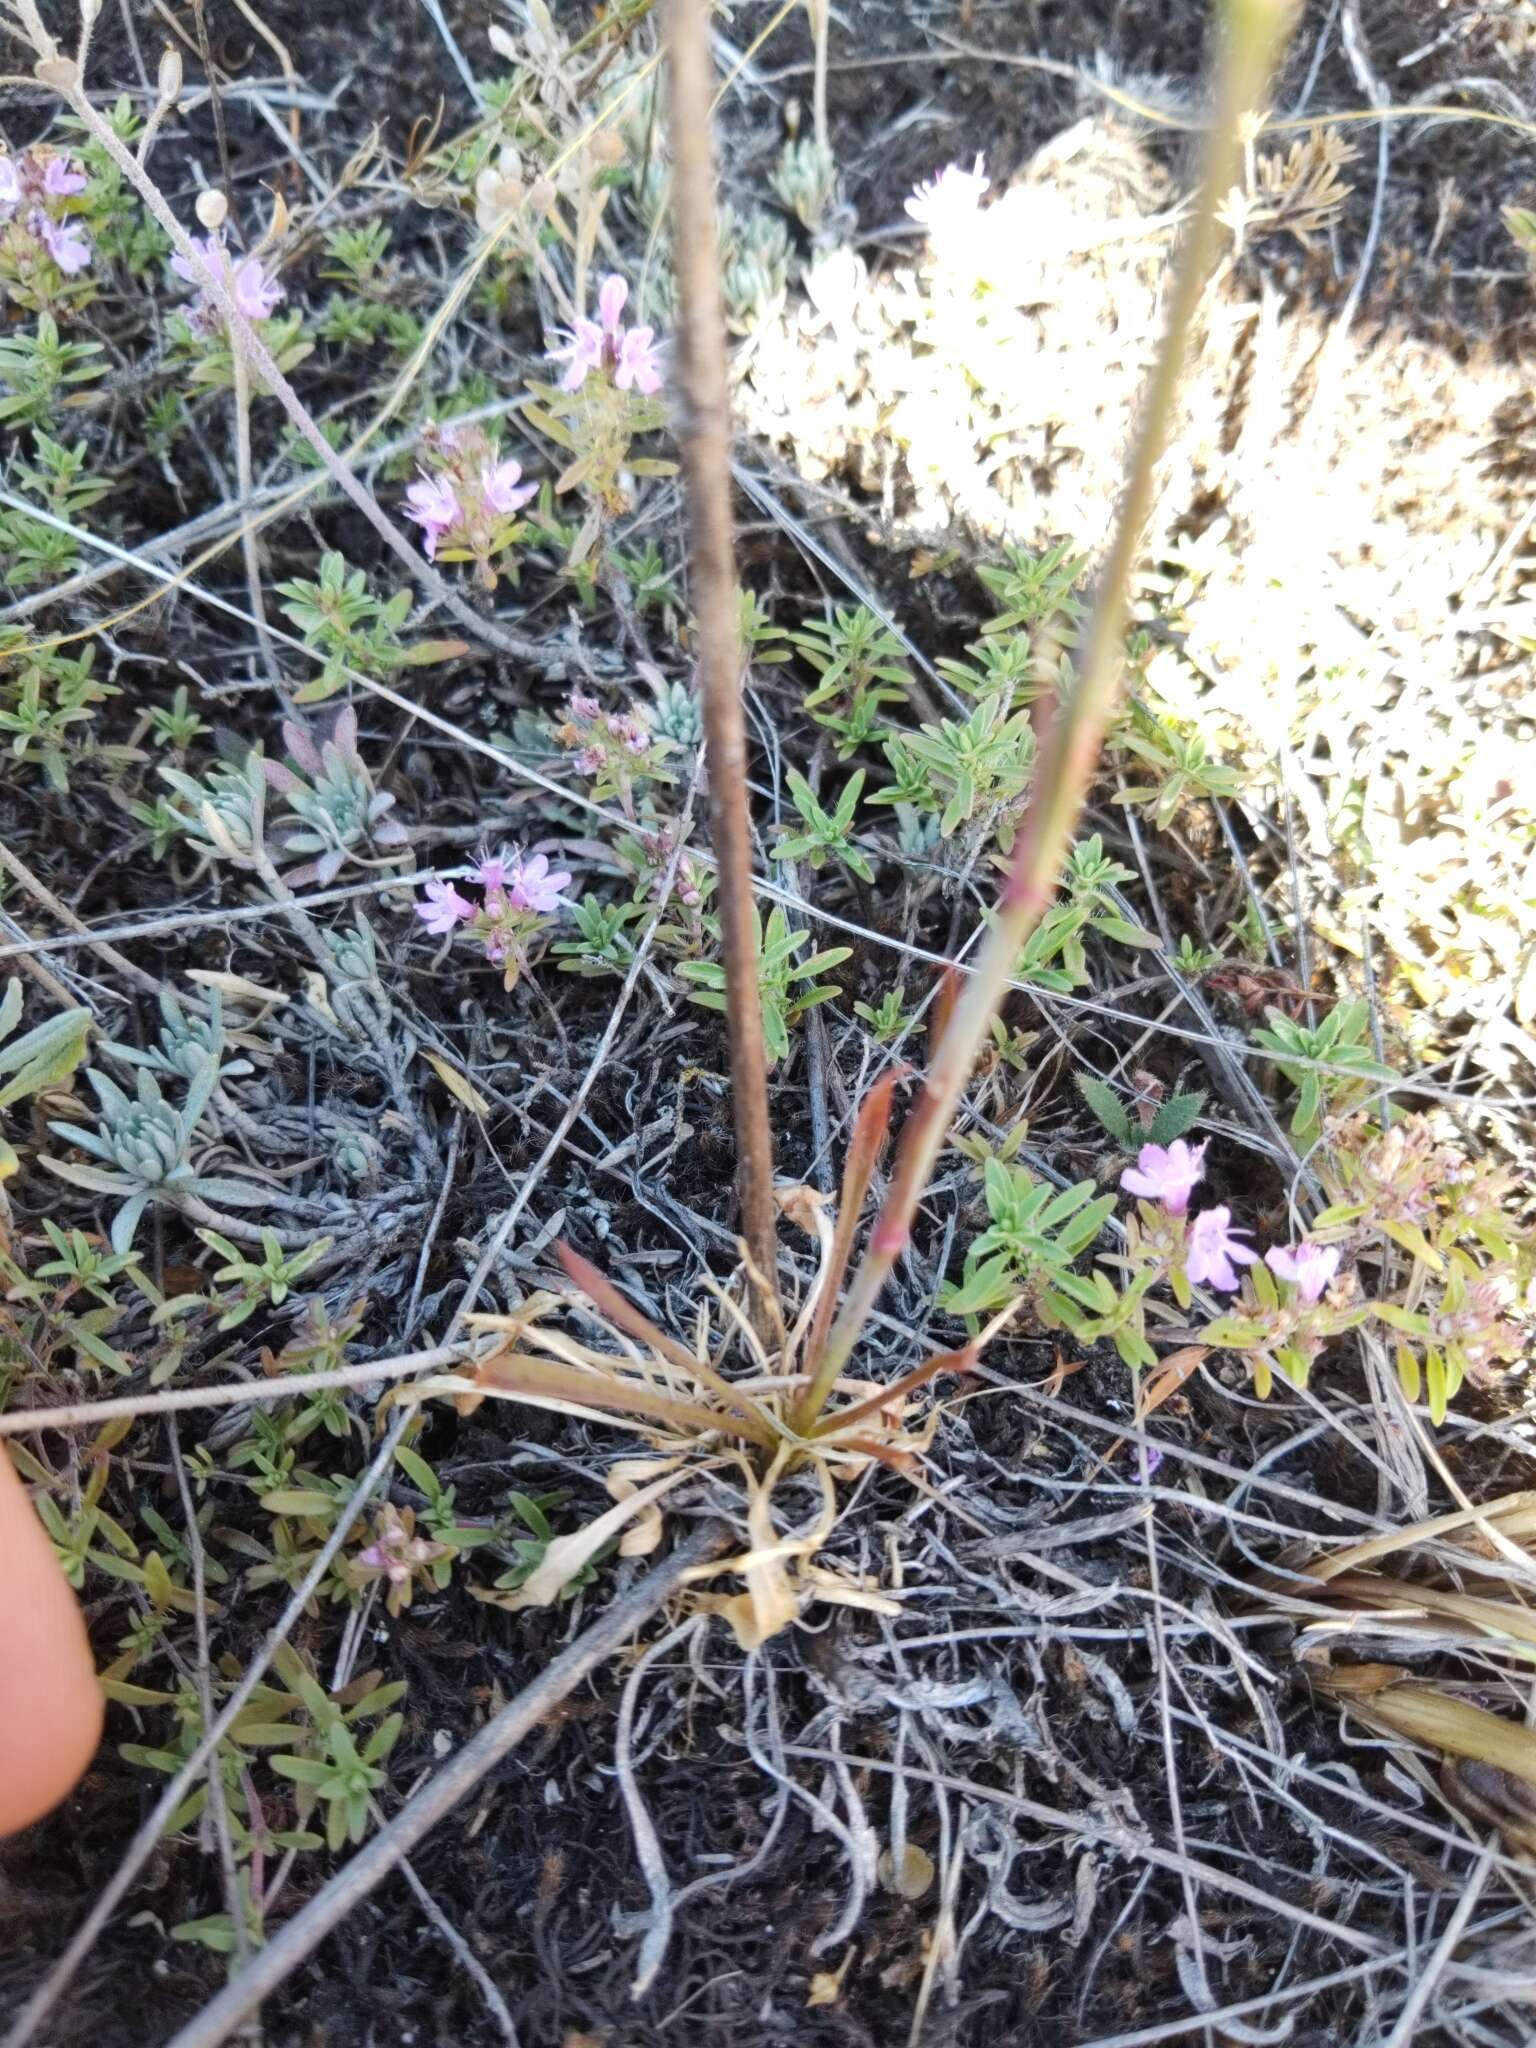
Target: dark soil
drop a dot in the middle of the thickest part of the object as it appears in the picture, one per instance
(1022, 1701)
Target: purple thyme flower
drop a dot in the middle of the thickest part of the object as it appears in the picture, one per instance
(1308, 1267)
(64, 242)
(254, 290)
(1166, 1174)
(62, 179)
(639, 363)
(444, 908)
(503, 491)
(1215, 1251)
(531, 886)
(630, 353)
(431, 503)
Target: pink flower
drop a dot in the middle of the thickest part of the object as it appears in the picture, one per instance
(533, 887)
(10, 182)
(611, 298)
(630, 353)
(583, 352)
(444, 908)
(61, 179)
(256, 292)
(950, 199)
(638, 363)
(64, 242)
(503, 493)
(208, 261)
(1166, 1174)
(493, 869)
(1213, 1250)
(431, 503)
(1308, 1267)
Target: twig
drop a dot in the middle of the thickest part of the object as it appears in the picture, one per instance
(1434, 1968)
(173, 1400)
(467, 1960)
(18, 870)
(218, 1802)
(648, 1854)
(438, 1797)
(705, 434)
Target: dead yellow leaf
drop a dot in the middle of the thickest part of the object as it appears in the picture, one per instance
(458, 1085)
(827, 1985)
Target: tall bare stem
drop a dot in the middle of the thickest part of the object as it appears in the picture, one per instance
(1069, 750)
(705, 432)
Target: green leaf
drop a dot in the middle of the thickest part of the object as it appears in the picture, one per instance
(304, 1770)
(1106, 1106)
(1413, 1240)
(988, 1286)
(298, 1500)
(419, 1470)
(1176, 1116)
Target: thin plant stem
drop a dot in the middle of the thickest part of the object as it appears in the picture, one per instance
(245, 483)
(1069, 747)
(705, 433)
(820, 14)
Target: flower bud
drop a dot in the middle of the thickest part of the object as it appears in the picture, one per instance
(168, 84)
(212, 209)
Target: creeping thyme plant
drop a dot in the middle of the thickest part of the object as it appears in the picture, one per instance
(382, 945)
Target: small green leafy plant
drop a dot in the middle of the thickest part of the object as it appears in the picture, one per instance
(788, 985)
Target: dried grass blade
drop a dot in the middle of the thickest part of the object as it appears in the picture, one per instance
(619, 1310)
(516, 1372)
(1487, 1617)
(869, 1129)
(1420, 1713)
(1513, 1508)
(942, 1361)
(567, 1554)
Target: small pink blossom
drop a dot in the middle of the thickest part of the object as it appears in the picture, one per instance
(444, 908)
(253, 289)
(430, 501)
(208, 260)
(256, 291)
(1214, 1250)
(62, 179)
(639, 362)
(950, 199)
(1166, 1174)
(605, 343)
(583, 352)
(1308, 1267)
(10, 182)
(503, 492)
(492, 870)
(64, 242)
(611, 299)
(533, 887)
